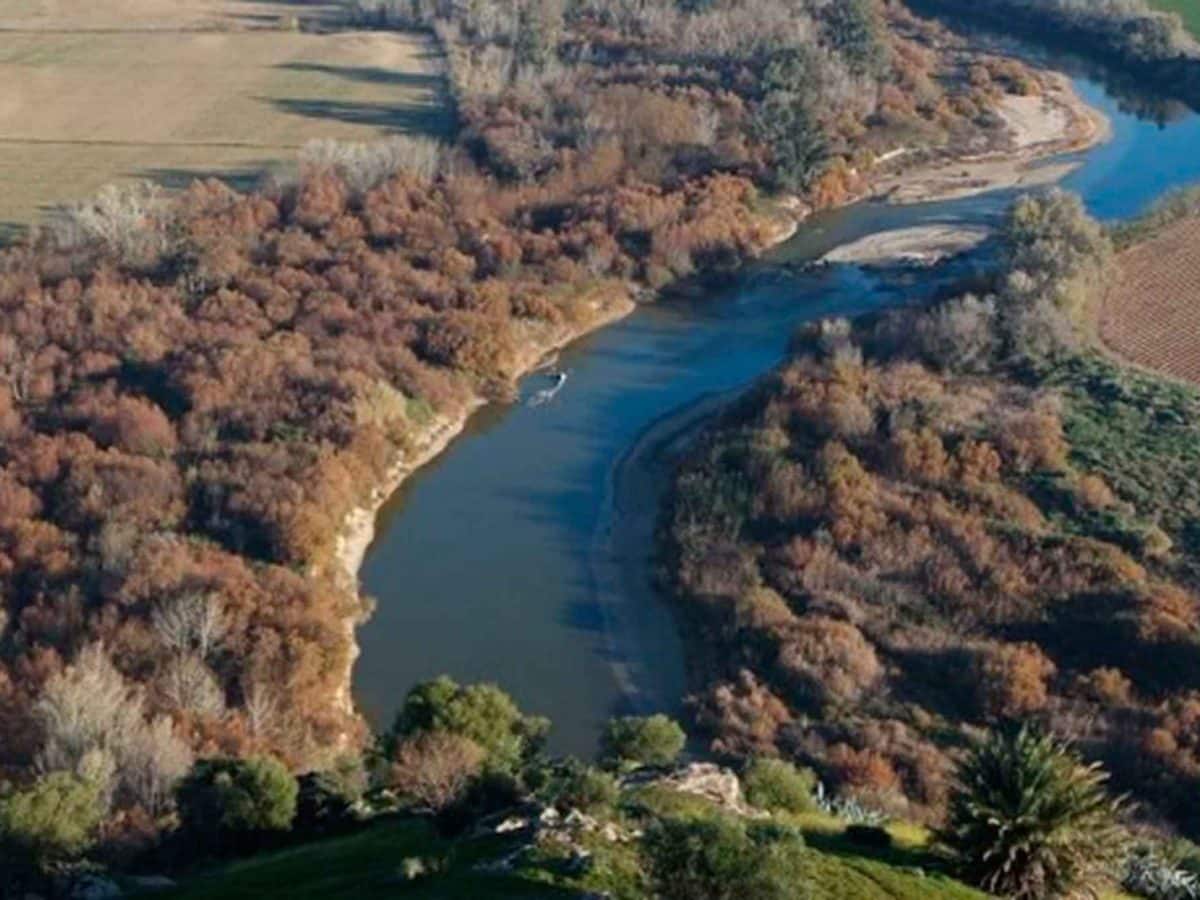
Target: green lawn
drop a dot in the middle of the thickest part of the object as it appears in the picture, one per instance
(362, 866)
(1189, 9)
(366, 864)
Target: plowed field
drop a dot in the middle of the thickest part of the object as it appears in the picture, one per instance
(1152, 316)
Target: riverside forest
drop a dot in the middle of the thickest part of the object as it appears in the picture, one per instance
(640, 449)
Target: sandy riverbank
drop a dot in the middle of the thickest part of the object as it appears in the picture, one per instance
(620, 557)
(1053, 123)
(920, 246)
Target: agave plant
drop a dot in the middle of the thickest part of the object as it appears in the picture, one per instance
(1149, 875)
(849, 809)
(1030, 820)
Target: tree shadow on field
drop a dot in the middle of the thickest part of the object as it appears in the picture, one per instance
(243, 178)
(370, 75)
(402, 118)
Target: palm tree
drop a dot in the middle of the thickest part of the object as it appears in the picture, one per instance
(1030, 820)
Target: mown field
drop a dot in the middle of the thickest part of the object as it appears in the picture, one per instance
(131, 89)
(1189, 9)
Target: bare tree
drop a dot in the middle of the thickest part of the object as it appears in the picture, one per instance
(95, 726)
(126, 220)
(190, 623)
(366, 166)
(88, 706)
(434, 768)
(155, 759)
(260, 707)
(188, 683)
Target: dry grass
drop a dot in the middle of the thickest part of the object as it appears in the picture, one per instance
(156, 89)
(1152, 316)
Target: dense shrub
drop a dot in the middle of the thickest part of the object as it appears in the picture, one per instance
(325, 800)
(229, 803)
(723, 859)
(480, 713)
(575, 785)
(642, 741)
(775, 784)
(53, 819)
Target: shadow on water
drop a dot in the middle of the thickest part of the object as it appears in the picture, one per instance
(394, 118)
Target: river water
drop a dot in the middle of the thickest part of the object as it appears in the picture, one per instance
(521, 555)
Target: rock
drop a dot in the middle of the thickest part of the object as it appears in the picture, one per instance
(579, 821)
(712, 782)
(549, 816)
(511, 824)
(611, 833)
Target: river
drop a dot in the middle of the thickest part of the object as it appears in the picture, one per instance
(521, 554)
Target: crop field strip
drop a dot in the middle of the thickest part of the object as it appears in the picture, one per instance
(98, 100)
(1152, 316)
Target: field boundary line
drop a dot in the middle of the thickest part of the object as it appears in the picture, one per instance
(101, 142)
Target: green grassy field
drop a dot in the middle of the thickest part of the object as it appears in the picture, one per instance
(366, 865)
(1189, 9)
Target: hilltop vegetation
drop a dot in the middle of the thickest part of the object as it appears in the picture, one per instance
(941, 520)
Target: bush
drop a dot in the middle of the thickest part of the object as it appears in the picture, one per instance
(1030, 820)
(723, 860)
(575, 785)
(481, 713)
(642, 741)
(325, 800)
(435, 768)
(53, 819)
(222, 800)
(492, 792)
(777, 785)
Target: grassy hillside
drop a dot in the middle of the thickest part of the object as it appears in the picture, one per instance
(1188, 9)
(367, 865)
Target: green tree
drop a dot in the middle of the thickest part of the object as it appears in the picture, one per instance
(799, 147)
(1029, 820)
(53, 819)
(776, 784)
(855, 31)
(722, 859)
(224, 799)
(480, 712)
(642, 740)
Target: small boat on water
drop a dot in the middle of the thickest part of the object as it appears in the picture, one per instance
(547, 394)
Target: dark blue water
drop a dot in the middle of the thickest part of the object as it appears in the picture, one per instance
(495, 562)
